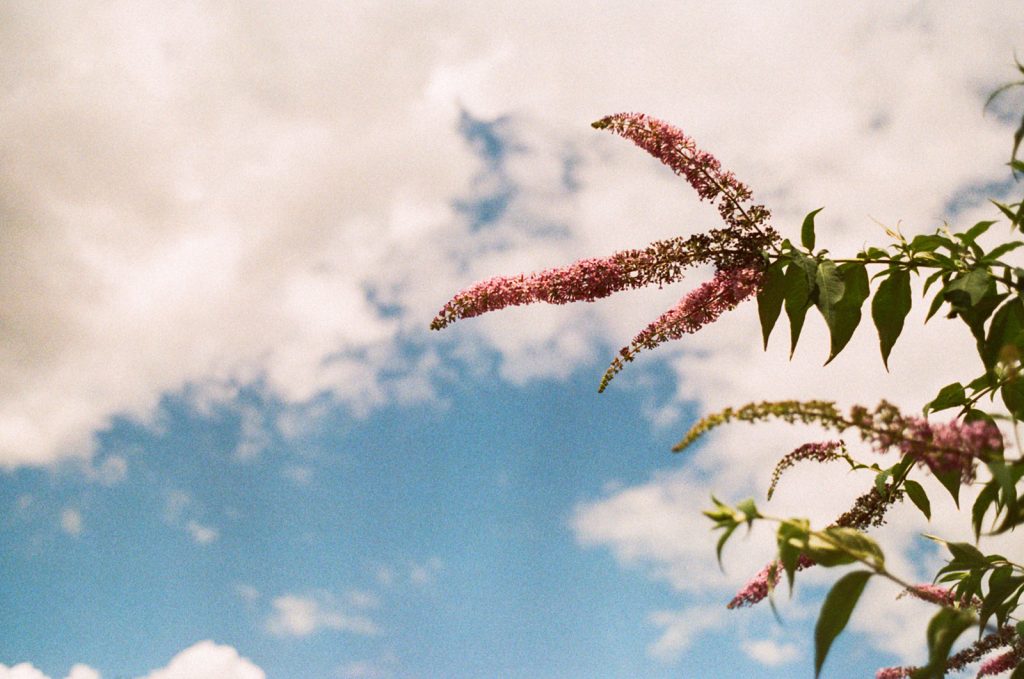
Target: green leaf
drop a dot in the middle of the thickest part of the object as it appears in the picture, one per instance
(807, 230)
(951, 481)
(928, 282)
(1006, 326)
(797, 302)
(1005, 209)
(1013, 396)
(835, 613)
(830, 286)
(920, 498)
(943, 630)
(721, 542)
(770, 299)
(792, 538)
(934, 307)
(1001, 250)
(967, 555)
(949, 396)
(967, 290)
(889, 309)
(972, 233)
(986, 498)
(845, 313)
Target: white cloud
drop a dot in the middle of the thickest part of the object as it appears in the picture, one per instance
(173, 220)
(204, 660)
(83, 672)
(680, 628)
(20, 671)
(301, 616)
(207, 660)
(771, 653)
(247, 592)
(425, 573)
(201, 534)
(71, 522)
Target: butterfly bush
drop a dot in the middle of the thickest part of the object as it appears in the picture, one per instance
(750, 260)
(736, 252)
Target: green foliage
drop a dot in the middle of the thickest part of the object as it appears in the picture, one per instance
(835, 613)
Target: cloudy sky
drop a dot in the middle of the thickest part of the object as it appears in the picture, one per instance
(231, 447)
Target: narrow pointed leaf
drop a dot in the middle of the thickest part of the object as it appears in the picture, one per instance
(943, 630)
(889, 310)
(770, 299)
(797, 302)
(917, 495)
(846, 313)
(835, 613)
(1007, 324)
(949, 396)
(807, 230)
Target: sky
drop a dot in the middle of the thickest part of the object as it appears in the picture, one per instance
(231, 447)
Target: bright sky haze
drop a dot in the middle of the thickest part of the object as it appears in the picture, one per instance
(230, 446)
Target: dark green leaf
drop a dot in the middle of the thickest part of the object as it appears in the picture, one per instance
(798, 301)
(1001, 250)
(972, 233)
(807, 230)
(951, 481)
(967, 555)
(1005, 209)
(936, 303)
(770, 299)
(928, 282)
(943, 630)
(949, 396)
(986, 497)
(845, 314)
(889, 309)
(917, 495)
(1013, 396)
(835, 613)
(967, 290)
(928, 242)
(1006, 326)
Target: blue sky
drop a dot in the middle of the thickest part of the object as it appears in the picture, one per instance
(231, 447)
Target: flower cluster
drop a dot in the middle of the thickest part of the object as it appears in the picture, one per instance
(700, 169)
(829, 451)
(1005, 636)
(1002, 662)
(735, 251)
(942, 596)
(702, 306)
(942, 448)
(759, 586)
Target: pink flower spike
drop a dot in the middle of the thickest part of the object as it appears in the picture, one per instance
(701, 170)
(1000, 663)
(893, 673)
(702, 306)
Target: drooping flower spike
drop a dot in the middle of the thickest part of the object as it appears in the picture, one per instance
(735, 251)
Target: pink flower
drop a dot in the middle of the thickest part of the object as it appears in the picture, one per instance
(701, 170)
(942, 596)
(1000, 663)
(761, 584)
(702, 306)
(893, 672)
